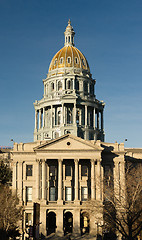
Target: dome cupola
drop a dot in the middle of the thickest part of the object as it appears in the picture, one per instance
(69, 35)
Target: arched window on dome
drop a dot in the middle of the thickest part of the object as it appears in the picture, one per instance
(55, 61)
(59, 86)
(83, 62)
(52, 86)
(76, 60)
(69, 60)
(69, 38)
(61, 60)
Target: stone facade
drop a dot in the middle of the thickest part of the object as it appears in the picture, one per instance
(60, 175)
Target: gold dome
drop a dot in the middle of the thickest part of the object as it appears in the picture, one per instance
(69, 57)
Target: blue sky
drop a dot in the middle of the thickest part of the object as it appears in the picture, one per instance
(108, 32)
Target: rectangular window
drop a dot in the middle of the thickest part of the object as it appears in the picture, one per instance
(84, 170)
(68, 194)
(28, 220)
(29, 170)
(29, 194)
(84, 193)
(67, 170)
(52, 194)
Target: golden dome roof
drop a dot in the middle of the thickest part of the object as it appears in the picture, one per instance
(69, 57)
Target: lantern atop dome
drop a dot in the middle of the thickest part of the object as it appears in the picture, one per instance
(69, 35)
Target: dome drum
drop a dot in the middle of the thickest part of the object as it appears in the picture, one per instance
(69, 104)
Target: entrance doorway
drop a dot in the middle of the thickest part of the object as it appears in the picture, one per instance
(51, 223)
(84, 223)
(68, 223)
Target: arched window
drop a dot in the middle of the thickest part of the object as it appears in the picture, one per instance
(91, 89)
(69, 38)
(85, 87)
(52, 86)
(77, 85)
(77, 117)
(61, 60)
(76, 60)
(69, 116)
(69, 59)
(69, 84)
(59, 85)
(55, 61)
(83, 62)
(59, 118)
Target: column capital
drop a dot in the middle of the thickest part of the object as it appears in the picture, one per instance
(99, 160)
(60, 160)
(93, 160)
(76, 160)
(38, 160)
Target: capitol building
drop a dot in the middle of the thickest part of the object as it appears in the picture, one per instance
(55, 175)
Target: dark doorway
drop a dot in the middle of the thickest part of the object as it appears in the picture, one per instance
(51, 223)
(84, 223)
(68, 223)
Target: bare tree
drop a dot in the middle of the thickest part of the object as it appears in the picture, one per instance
(123, 208)
(10, 213)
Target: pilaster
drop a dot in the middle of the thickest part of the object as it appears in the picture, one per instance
(92, 179)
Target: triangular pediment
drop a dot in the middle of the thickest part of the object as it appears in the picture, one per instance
(68, 143)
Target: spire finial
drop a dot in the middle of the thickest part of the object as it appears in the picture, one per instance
(69, 22)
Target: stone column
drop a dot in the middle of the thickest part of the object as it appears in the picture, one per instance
(39, 118)
(94, 117)
(102, 121)
(86, 116)
(76, 222)
(43, 179)
(116, 179)
(20, 181)
(42, 226)
(73, 83)
(62, 115)
(36, 119)
(43, 118)
(122, 182)
(37, 178)
(14, 177)
(76, 179)
(51, 116)
(60, 180)
(74, 119)
(98, 119)
(59, 222)
(92, 179)
(98, 180)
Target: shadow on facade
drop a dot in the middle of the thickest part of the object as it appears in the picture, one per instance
(68, 223)
(51, 223)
